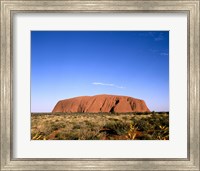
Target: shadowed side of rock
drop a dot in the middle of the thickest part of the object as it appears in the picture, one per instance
(101, 103)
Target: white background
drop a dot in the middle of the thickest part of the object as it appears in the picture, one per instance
(176, 147)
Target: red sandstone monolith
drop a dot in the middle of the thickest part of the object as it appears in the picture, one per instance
(101, 104)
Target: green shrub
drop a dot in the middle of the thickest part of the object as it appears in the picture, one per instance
(117, 127)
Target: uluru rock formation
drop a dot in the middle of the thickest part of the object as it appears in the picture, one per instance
(101, 103)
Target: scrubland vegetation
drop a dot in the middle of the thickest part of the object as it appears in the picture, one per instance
(100, 126)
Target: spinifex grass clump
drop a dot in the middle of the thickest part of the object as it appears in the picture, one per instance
(100, 126)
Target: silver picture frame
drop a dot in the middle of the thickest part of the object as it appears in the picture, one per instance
(11, 7)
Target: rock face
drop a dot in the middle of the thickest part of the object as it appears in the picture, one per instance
(101, 103)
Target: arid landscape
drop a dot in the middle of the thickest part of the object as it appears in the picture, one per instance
(100, 117)
(100, 126)
(99, 85)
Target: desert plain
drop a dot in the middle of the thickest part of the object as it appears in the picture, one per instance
(101, 117)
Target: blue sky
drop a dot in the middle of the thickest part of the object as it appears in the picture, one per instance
(67, 64)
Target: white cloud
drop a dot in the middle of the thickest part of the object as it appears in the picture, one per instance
(106, 84)
(156, 36)
(164, 54)
(159, 52)
(159, 37)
